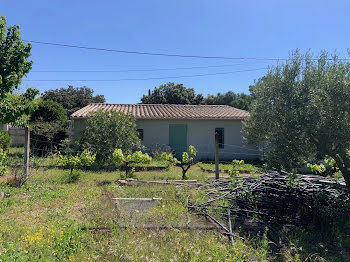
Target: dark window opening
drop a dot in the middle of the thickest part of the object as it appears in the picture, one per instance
(220, 132)
(140, 131)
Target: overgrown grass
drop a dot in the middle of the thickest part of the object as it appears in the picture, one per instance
(228, 166)
(47, 220)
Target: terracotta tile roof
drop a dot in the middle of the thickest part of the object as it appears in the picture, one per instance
(166, 111)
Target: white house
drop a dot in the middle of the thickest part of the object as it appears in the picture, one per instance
(178, 126)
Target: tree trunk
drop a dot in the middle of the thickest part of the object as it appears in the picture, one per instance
(126, 170)
(343, 164)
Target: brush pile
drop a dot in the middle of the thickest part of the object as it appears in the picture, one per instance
(274, 199)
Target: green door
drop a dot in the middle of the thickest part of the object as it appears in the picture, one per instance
(178, 138)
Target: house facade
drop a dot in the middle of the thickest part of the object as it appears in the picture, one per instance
(175, 127)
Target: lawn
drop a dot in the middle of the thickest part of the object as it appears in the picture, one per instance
(49, 220)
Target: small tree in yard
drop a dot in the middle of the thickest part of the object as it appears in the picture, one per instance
(106, 131)
(84, 159)
(301, 112)
(186, 162)
(126, 160)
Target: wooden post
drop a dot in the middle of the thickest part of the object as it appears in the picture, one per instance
(216, 155)
(26, 152)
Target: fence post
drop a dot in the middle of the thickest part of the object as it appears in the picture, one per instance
(26, 152)
(216, 155)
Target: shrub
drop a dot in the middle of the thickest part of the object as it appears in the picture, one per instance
(5, 140)
(3, 168)
(125, 160)
(186, 161)
(86, 158)
(106, 131)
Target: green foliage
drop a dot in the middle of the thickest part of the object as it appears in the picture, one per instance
(171, 93)
(301, 111)
(48, 125)
(5, 141)
(106, 131)
(241, 101)
(125, 160)
(316, 168)
(3, 167)
(72, 162)
(14, 64)
(73, 99)
(233, 173)
(186, 162)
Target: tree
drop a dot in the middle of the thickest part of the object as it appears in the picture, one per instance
(301, 112)
(126, 160)
(170, 93)
(241, 101)
(73, 99)
(14, 64)
(106, 131)
(186, 161)
(49, 125)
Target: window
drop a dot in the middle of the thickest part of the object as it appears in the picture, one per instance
(220, 132)
(140, 131)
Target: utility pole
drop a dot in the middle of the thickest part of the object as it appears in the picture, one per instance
(26, 152)
(216, 155)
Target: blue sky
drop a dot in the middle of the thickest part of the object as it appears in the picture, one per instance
(210, 28)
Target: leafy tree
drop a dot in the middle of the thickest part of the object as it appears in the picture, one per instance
(186, 162)
(73, 99)
(49, 125)
(170, 93)
(14, 64)
(301, 111)
(72, 162)
(126, 160)
(241, 101)
(106, 131)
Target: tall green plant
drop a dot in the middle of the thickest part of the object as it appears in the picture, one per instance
(186, 161)
(106, 131)
(126, 160)
(72, 162)
(301, 111)
(14, 64)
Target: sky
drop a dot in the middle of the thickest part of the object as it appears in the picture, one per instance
(260, 29)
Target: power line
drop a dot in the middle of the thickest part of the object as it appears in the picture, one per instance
(136, 70)
(165, 54)
(153, 54)
(139, 79)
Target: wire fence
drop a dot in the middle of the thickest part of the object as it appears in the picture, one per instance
(42, 152)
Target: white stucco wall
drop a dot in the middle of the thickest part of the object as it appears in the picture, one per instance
(200, 134)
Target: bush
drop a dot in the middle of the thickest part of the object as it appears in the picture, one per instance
(5, 140)
(3, 168)
(72, 162)
(125, 160)
(48, 126)
(106, 131)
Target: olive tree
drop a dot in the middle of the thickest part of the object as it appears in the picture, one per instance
(301, 112)
(186, 161)
(106, 131)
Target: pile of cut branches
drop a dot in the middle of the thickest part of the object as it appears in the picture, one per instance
(274, 199)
